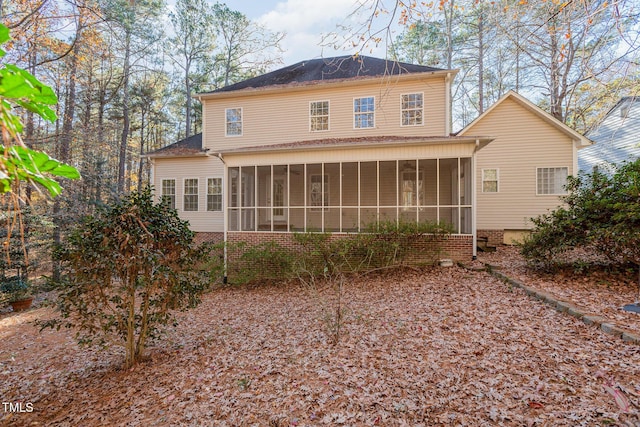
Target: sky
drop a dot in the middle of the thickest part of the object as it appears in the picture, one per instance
(305, 22)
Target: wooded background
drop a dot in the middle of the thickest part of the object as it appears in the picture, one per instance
(125, 70)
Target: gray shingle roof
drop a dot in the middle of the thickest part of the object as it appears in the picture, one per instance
(617, 137)
(323, 69)
(186, 147)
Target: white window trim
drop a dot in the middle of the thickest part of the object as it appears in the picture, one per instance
(185, 194)
(482, 180)
(226, 134)
(328, 116)
(221, 193)
(549, 167)
(356, 113)
(423, 119)
(175, 190)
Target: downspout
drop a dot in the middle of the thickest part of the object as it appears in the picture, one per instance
(474, 205)
(447, 94)
(225, 213)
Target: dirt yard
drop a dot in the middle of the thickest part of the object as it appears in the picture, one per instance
(443, 346)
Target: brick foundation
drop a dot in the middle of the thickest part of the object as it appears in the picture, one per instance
(496, 237)
(456, 247)
(209, 237)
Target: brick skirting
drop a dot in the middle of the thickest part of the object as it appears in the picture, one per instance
(456, 247)
(496, 237)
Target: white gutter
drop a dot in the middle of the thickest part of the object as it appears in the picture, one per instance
(474, 203)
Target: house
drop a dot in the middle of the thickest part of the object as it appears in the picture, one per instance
(335, 144)
(616, 138)
(522, 173)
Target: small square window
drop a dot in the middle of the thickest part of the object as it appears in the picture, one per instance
(489, 180)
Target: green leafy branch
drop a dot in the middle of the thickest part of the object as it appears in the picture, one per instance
(19, 88)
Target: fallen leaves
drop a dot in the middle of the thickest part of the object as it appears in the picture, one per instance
(436, 347)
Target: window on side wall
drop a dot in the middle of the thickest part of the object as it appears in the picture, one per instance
(412, 109)
(233, 122)
(214, 194)
(191, 194)
(318, 116)
(364, 112)
(489, 180)
(169, 191)
(551, 181)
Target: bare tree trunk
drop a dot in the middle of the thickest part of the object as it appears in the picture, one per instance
(122, 156)
(481, 61)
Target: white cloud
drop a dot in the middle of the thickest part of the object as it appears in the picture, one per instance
(305, 22)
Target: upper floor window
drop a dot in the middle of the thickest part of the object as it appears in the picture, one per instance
(169, 191)
(191, 194)
(552, 180)
(363, 112)
(412, 109)
(489, 180)
(318, 116)
(234, 121)
(214, 194)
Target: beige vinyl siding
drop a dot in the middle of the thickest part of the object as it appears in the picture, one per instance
(282, 117)
(523, 142)
(185, 168)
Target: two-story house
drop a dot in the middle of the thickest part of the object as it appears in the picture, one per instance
(335, 144)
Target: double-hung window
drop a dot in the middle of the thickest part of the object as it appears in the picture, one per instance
(318, 116)
(551, 180)
(190, 194)
(214, 194)
(489, 180)
(412, 109)
(233, 122)
(363, 112)
(169, 191)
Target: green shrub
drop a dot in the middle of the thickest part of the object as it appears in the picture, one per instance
(128, 268)
(601, 212)
(262, 262)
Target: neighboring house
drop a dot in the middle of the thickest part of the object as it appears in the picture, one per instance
(616, 138)
(335, 144)
(522, 173)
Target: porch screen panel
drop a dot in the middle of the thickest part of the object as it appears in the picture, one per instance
(408, 185)
(248, 198)
(448, 182)
(388, 214)
(332, 213)
(429, 171)
(449, 215)
(369, 184)
(233, 213)
(349, 220)
(388, 188)
(317, 196)
(264, 198)
(296, 185)
(465, 220)
(428, 215)
(350, 185)
(296, 198)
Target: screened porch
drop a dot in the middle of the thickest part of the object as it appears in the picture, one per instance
(349, 196)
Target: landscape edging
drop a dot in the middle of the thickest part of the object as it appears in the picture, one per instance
(563, 306)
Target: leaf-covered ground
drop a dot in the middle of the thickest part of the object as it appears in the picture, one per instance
(436, 347)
